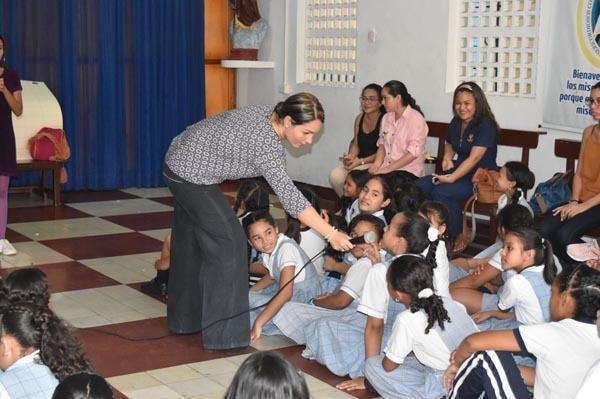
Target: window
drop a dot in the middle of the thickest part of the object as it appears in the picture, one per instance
(494, 43)
(329, 43)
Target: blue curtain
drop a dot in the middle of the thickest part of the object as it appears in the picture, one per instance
(128, 74)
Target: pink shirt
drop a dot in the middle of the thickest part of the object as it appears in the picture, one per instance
(407, 134)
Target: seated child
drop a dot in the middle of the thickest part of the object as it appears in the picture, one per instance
(294, 317)
(485, 271)
(515, 179)
(423, 336)
(341, 344)
(291, 277)
(527, 290)
(38, 351)
(565, 348)
(311, 242)
(355, 181)
(406, 197)
(267, 375)
(374, 197)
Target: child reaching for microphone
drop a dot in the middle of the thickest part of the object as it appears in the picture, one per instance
(294, 317)
(291, 277)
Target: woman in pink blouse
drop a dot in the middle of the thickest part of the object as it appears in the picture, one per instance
(401, 144)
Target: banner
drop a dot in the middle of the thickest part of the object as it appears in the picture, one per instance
(574, 63)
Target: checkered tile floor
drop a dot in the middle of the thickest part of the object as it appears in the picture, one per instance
(96, 249)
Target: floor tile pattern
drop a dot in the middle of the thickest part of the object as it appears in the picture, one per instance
(96, 249)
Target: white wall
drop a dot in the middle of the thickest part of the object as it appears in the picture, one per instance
(411, 46)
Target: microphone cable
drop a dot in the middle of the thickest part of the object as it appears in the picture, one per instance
(156, 338)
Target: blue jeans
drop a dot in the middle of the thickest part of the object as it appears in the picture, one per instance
(451, 195)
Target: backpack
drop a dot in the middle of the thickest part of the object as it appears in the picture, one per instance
(551, 194)
(50, 145)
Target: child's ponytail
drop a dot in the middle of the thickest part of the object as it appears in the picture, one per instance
(523, 177)
(532, 240)
(414, 231)
(550, 269)
(434, 238)
(412, 275)
(38, 327)
(59, 350)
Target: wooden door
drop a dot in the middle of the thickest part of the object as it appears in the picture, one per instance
(220, 82)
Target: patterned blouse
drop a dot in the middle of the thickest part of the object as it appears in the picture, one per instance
(232, 145)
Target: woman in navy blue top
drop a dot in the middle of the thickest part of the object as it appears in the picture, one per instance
(472, 139)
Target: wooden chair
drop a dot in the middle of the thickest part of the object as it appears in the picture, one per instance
(524, 139)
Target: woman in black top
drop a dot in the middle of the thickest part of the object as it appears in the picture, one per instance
(363, 146)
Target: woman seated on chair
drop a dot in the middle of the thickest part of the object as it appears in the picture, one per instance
(472, 137)
(363, 146)
(401, 144)
(568, 222)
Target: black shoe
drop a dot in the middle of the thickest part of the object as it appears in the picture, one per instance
(155, 288)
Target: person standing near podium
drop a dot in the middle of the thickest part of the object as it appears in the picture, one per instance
(10, 102)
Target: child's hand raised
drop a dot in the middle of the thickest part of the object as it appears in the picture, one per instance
(372, 252)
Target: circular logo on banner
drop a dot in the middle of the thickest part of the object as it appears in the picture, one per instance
(588, 30)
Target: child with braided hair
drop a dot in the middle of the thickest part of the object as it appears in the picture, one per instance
(565, 348)
(431, 327)
(36, 352)
(27, 285)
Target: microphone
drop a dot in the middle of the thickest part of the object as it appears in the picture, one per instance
(369, 238)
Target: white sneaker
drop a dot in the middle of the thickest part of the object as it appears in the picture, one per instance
(6, 247)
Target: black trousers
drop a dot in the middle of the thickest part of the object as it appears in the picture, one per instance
(209, 272)
(569, 231)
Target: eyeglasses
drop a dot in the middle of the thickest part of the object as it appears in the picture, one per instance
(369, 99)
(592, 101)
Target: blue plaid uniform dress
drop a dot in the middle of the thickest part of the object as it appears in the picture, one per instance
(303, 290)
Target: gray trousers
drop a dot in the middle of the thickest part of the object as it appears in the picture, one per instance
(208, 278)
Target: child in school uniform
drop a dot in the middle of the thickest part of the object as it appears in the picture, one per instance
(294, 317)
(340, 344)
(37, 351)
(565, 348)
(353, 184)
(515, 179)
(374, 198)
(311, 242)
(291, 277)
(476, 273)
(423, 336)
(524, 297)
